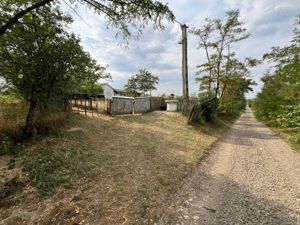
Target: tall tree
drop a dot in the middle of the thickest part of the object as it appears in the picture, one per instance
(216, 38)
(279, 99)
(147, 81)
(121, 14)
(223, 74)
(204, 35)
(44, 62)
(132, 87)
(143, 82)
(287, 67)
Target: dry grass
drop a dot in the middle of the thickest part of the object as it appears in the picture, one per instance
(291, 135)
(133, 165)
(12, 115)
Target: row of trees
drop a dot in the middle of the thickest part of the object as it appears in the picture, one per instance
(223, 76)
(142, 83)
(44, 63)
(279, 100)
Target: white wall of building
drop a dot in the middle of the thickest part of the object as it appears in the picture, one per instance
(108, 91)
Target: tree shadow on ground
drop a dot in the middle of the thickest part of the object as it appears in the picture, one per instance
(245, 131)
(219, 200)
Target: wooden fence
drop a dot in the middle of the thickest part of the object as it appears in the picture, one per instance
(96, 105)
(92, 105)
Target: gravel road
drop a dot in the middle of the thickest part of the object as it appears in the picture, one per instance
(251, 177)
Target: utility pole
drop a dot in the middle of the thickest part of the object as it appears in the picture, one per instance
(185, 79)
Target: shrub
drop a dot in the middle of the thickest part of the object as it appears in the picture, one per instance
(5, 144)
(204, 109)
(208, 106)
(231, 106)
(289, 116)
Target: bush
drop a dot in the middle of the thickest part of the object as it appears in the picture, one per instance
(231, 106)
(204, 109)
(5, 144)
(208, 106)
(286, 116)
(289, 116)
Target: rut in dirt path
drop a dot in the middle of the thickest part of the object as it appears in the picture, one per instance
(251, 177)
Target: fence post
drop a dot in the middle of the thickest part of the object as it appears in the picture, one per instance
(108, 109)
(85, 107)
(78, 107)
(97, 106)
(133, 107)
(92, 107)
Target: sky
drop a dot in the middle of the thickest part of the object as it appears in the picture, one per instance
(270, 23)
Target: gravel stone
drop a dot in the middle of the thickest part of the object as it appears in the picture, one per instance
(251, 177)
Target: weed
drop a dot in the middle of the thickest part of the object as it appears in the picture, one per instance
(292, 135)
(5, 144)
(51, 167)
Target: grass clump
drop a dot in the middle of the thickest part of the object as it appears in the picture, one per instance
(5, 144)
(55, 162)
(12, 114)
(50, 170)
(45, 173)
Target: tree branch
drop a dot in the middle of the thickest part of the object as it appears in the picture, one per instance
(19, 15)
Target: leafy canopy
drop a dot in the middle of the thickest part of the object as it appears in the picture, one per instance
(44, 63)
(279, 99)
(141, 83)
(124, 15)
(222, 73)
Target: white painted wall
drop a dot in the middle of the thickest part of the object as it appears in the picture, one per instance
(107, 91)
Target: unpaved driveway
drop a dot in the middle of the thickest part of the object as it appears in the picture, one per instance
(251, 177)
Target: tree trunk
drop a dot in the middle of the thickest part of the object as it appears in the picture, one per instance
(32, 113)
(219, 65)
(210, 66)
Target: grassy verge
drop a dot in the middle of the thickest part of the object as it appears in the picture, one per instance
(105, 170)
(53, 163)
(12, 116)
(292, 135)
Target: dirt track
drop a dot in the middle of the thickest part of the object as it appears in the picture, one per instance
(251, 177)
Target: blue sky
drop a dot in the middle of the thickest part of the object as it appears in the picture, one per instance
(270, 23)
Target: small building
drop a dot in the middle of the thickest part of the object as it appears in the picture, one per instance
(109, 91)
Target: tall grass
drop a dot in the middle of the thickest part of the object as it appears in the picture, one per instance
(12, 114)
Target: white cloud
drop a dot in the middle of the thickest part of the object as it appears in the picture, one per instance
(269, 21)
